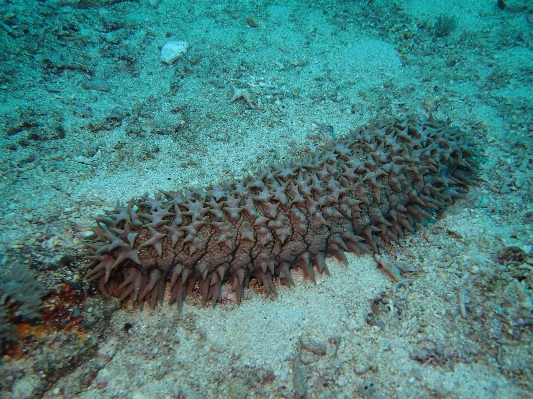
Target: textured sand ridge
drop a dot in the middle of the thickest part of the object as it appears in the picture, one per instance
(358, 194)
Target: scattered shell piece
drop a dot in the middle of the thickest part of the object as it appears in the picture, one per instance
(172, 50)
(278, 64)
(462, 303)
(242, 94)
(389, 267)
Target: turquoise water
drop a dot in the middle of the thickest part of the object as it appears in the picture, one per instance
(91, 114)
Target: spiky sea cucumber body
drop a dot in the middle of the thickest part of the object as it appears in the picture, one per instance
(358, 194)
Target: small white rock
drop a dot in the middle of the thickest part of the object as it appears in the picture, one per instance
(361, 368)
(171, 51)
(342, 381)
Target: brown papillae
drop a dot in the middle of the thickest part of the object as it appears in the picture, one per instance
(358, 194)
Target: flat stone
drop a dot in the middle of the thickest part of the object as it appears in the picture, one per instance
(172, 50)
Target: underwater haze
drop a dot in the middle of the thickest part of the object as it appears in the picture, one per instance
(168, 101)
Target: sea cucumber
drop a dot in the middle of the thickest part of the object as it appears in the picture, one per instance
(357, 194)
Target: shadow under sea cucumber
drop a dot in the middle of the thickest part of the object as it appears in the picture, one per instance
(357, 194)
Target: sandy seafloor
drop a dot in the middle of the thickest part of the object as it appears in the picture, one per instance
(90, 115)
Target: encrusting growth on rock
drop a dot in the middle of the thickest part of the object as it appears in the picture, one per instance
(358, 194)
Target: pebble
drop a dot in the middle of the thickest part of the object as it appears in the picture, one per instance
(342, 381)
(103, 376)
(172, 50)
(361, 368)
